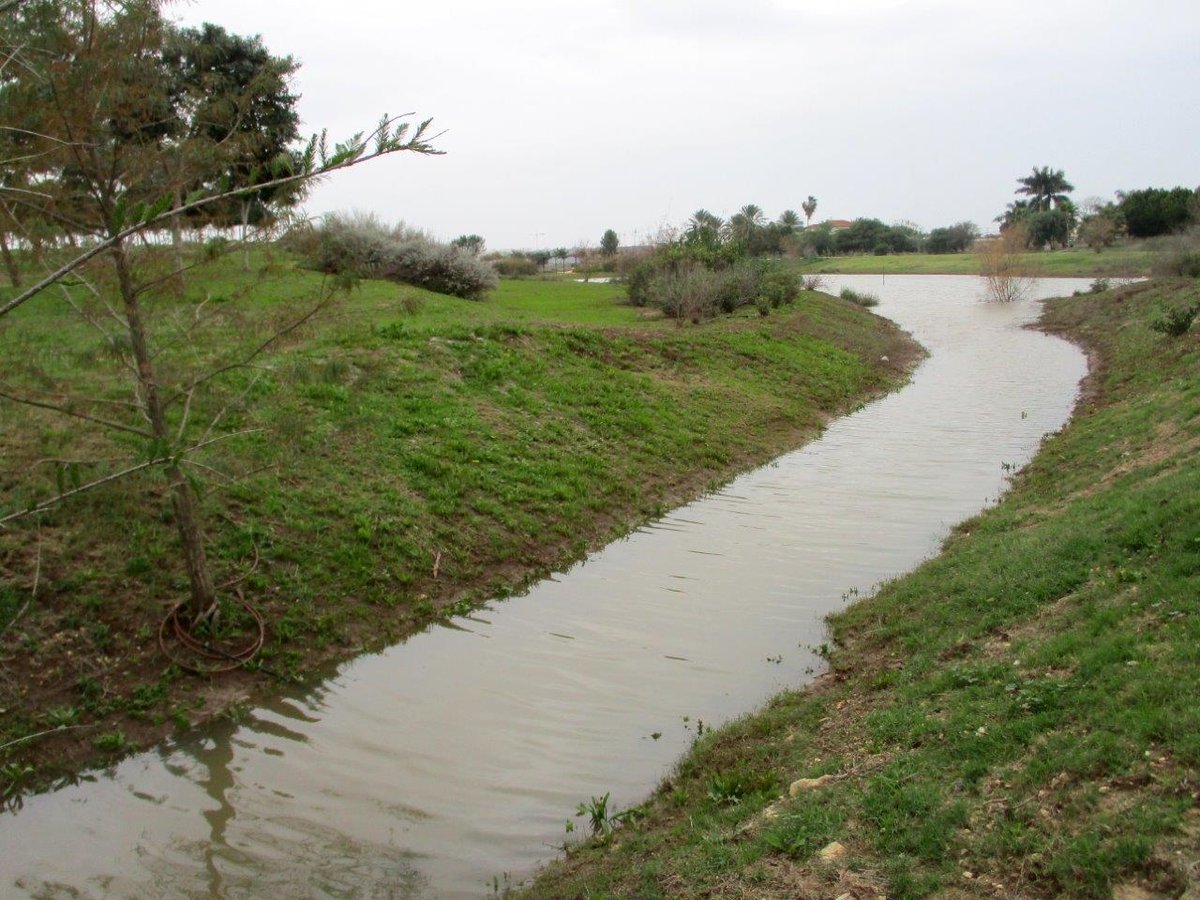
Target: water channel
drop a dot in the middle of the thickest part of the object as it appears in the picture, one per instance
(456, 757)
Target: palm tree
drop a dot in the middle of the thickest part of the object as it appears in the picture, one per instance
(753, 214)
(789, 219)
(745, 222)
(704, 228)
(809, 206)
(1045, 188)
(703, 220)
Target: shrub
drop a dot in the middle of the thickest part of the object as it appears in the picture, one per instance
(1178, 263)
(812, 283)
(778, 286)
(514, 266)
(686, 292)
(362, 246)
(640, 279)
(440, 268)
(862, 298)
(1174, 320)
(687, 289)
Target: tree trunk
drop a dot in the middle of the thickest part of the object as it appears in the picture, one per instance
(14, 271)
(187, 517)
(245, 235)
(177, 243)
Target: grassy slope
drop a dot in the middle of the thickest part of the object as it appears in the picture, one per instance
(415, 453)
(1117, 262)
(1018, 717)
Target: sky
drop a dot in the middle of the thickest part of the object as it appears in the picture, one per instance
(561, 120)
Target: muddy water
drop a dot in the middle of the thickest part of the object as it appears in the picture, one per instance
(445, 762)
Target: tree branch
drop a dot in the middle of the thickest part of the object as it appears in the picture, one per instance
(115, 476)
(118, 426)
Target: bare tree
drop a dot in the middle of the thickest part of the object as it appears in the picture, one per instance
(1004, 278)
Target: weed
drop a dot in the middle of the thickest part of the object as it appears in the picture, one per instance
(111, 742)
(62, 715)
(601, 821)
(861, 298)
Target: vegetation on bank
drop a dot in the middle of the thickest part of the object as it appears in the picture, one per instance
(1015, 718)
(394, 460)
(1118, 262)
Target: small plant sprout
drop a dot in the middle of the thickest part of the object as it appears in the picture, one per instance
(601, 822)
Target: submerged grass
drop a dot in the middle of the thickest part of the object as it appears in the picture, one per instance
(408, 455)
(1017, 717)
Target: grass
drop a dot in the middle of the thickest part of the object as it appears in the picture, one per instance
(1077, 262)
(1017, 717)
(403, 457)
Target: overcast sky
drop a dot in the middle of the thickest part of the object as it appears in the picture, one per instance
(564, 119)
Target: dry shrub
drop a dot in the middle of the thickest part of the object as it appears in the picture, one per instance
(1001, 266)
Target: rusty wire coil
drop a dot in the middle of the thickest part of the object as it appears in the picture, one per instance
(205, 658)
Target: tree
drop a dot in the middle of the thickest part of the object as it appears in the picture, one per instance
(863, 236)
(1099, 230)
(704, 230)
(1046, 188)
(1050, 227)
(471, 243)
(609, 243)
(561, 254)
(952, 239)
(1048, 213)
(1156, 211)
(789, 220)
(82, 81)
(235, 115)
(809, 206)
(744, 223)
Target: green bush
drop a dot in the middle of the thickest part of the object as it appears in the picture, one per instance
(687, 289)
(1174, 320)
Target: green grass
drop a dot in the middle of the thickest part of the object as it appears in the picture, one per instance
(1080, 262)
(1017, 717)
(405, 455)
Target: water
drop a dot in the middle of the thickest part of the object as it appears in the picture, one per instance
(432, 767)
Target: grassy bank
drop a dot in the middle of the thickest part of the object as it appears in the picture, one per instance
(1081, 262)
(402, 457)
(1018, 717)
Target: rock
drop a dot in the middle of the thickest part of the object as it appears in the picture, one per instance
(807, 784)
(832, 852)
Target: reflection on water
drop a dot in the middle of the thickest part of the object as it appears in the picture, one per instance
(429, 769)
